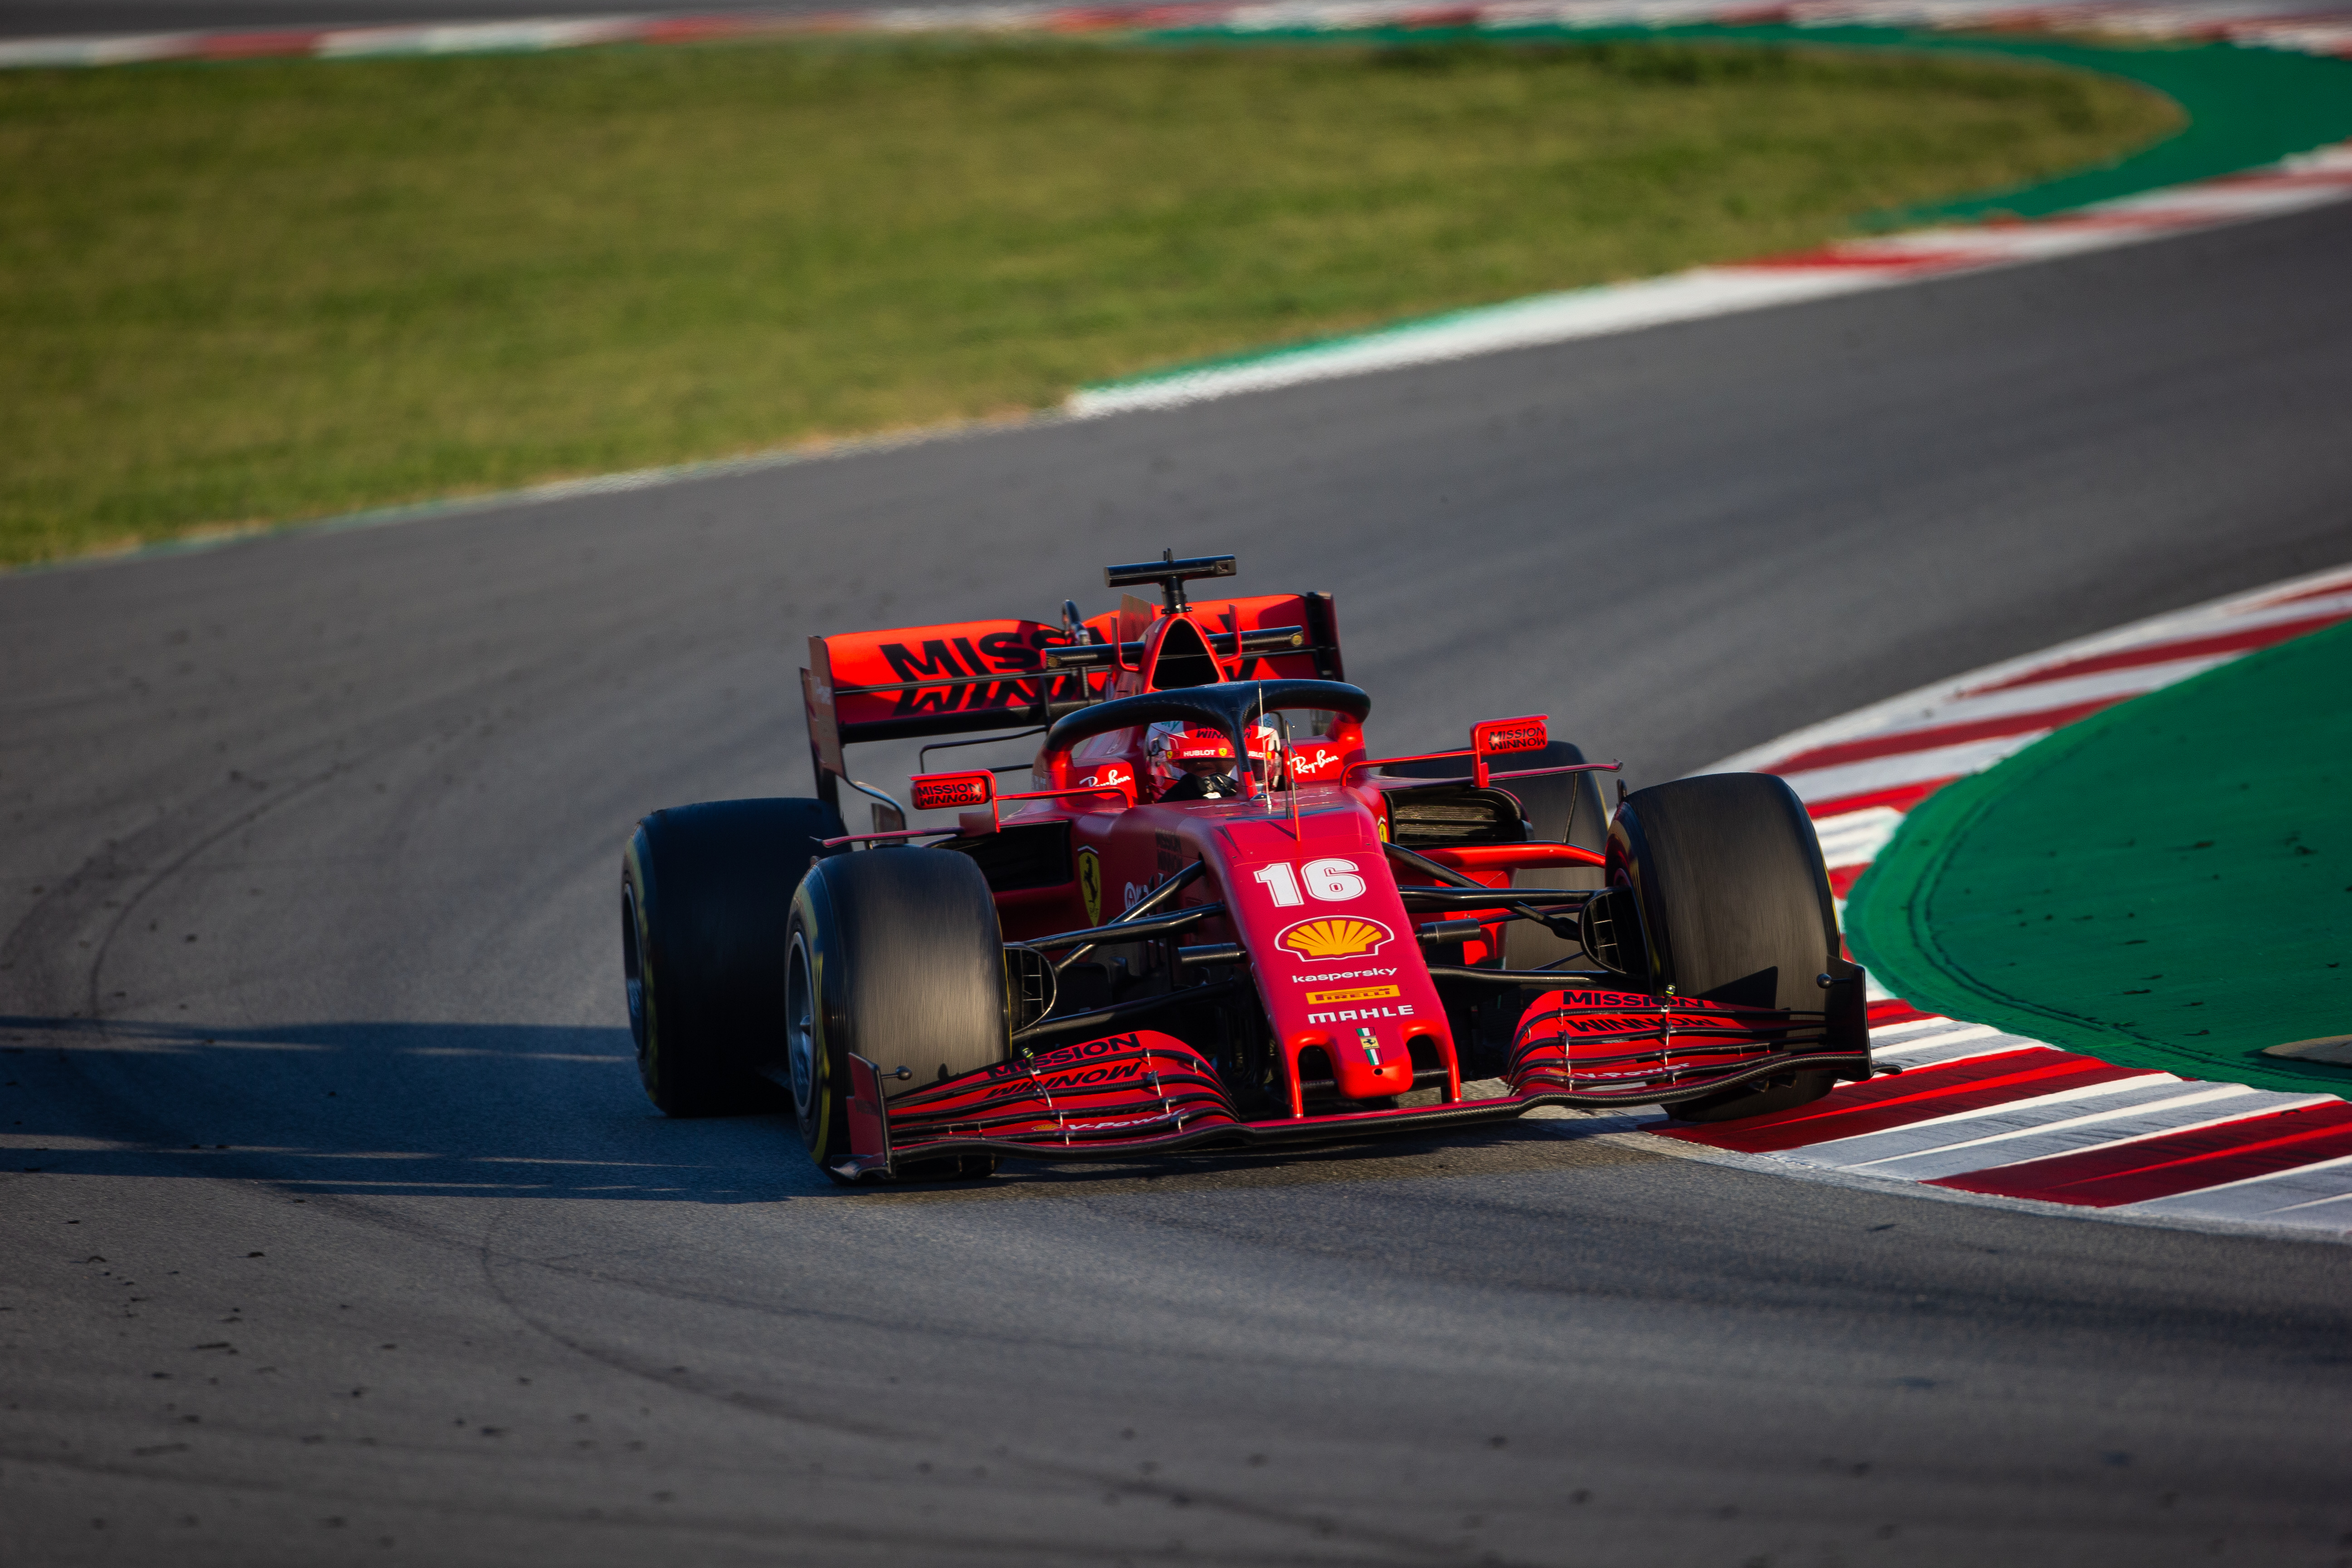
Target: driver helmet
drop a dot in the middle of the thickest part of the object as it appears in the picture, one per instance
(1174, 752)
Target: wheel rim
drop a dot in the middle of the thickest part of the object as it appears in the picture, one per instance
(800, 1029)
(633, 968)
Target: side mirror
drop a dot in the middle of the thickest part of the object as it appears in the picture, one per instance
(951, 792)
(1498, 737)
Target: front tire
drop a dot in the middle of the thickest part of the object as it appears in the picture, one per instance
(706, 893)
(1735, 906)
(894, 956)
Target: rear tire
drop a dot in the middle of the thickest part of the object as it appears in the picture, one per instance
(894, 956)
(706, 892)
(1735, 907)
(1567, 808)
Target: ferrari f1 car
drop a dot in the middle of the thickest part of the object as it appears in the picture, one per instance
(1215, 919)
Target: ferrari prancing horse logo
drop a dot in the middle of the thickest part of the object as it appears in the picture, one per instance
(1090, 884)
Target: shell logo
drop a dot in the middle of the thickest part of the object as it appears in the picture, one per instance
(1335, 936)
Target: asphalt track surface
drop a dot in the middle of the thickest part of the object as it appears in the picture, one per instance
(71, 18)
(351, 1237)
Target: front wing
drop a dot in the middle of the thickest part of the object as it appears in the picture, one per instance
(1146, 1092)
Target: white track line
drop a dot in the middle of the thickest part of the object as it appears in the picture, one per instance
(1853, 268)
(2318, 1196)
(1925, 707)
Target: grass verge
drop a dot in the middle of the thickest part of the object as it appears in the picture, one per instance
(267, 290)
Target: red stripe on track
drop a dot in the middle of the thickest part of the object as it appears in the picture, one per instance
(2165, 652)
(1886, 1015)
(1901, 741)
(2157, 218)
(1845, 260)
(696, 30)
(259, 46)
(2174, 1162)
(1843, 878)
(1088, 21)
(2326, 590)
(2313, 179)
(1902, 797)
(1920, 1095)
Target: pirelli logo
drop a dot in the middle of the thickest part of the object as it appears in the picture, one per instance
(1360, 994)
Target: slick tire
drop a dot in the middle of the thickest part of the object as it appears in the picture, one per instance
(1735, 907)
(894, 956)
(1563, 806)
(705, 895)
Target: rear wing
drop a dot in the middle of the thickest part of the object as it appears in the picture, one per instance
(1277, 637)
(971, 677)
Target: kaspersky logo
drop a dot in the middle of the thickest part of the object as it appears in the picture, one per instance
(1335, 936)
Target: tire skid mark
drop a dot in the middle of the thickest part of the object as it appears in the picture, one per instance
(490, 1256)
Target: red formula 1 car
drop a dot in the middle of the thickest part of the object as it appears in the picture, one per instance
(1213, 920)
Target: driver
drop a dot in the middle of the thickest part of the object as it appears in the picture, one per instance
(1195, 761)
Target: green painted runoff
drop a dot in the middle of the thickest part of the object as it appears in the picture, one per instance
(2166, 884)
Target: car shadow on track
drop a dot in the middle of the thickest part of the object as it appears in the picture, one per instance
(373, 1108)
(369, 1109)
(1510, 1148)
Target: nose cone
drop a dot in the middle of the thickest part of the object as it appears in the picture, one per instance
(1368, 1067)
